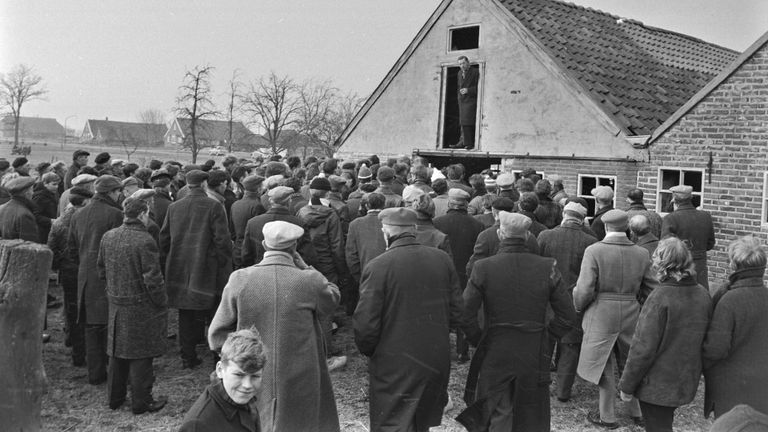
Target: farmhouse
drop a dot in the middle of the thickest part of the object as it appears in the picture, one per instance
(718, 144)
(37, 129)
(122, 134)
(564, 89)
(212, 133)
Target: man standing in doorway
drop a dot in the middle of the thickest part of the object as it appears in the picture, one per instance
(467, 85)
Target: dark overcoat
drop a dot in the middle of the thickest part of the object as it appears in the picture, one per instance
(242, 211)
(462, 231)
(428, 235)
(515, 288)
(214, 410)
(17, 220)
(695, 226)
(85, 232)
(654, 219)
(325, 230)
(285, 304)
(735, 348)
(664, 363)
(548, 213)
(198, 249)
(409, 299)
(597, 225)
(129, 263)
(253, 250)
(468, 101)
(365, 241)
(160, 205)
(47, 204)
(487, 245)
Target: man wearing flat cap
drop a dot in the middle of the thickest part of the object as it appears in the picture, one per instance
(603, 204)
(79, 160)
(196, 245)
(508, 384)
(85, 233)
(284, 298)
(426, 233)
(409, 299)
(614, 279)
(566, 243)
(84, 181)
(386, 176)
(17, 219)
(243, 210)
(692, 226)
(161, 184)
(364, 243)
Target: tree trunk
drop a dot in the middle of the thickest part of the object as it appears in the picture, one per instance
(16, 131)
(24, 270)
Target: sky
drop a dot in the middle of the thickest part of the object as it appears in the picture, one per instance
(113, 59)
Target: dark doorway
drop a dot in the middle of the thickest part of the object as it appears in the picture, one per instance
(451, 126)
(472, 165)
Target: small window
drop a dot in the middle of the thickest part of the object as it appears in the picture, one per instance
(671, 177)
(464, 38)
(587, 182)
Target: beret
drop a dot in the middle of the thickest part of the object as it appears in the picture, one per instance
(274, 180)
(160, 173)
(252, 183)
(19, 161)
(337, 181)
(603, 193)
(281, 234)
(575, 208)
(196, 177)
(143, 194)
(364, 172)
(412, 194)
(83, 179)
(514, 224)
(504, 204)
(107, 183)
(320, 183)
(79, 153)
(280, 193)
(19, 184)
(505, 180)
(682, 191)
(615, 220)
(398, 216)
(4, 165)
(385, 173)
(456, 194)
(102, 157)
(130, 180)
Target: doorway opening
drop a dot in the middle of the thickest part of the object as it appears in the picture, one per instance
(451, 129)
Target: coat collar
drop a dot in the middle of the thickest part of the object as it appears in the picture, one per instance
(618, 240)
(24, 201)
(685, 206)
(134, 224)
(406, 239)
(637, 206)
(278, 209)
(105, 199)
(646, 238)
(750, 276)
(277, 258)
(512, 245)
(227, 405)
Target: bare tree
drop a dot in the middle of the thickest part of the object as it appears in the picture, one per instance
(17, 87)
(233, 101)
(325, 112)
(195, 103)
(273, 104)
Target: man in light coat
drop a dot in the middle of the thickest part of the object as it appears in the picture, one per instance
(615, 277)
(284, 299)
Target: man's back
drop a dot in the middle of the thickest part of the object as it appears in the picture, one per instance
(566, 244)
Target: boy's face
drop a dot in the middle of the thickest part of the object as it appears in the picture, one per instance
(239, 385)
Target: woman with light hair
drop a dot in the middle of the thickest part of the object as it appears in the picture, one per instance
(735, 349)
(664, 365)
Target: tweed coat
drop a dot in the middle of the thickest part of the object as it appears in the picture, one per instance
(515, 289)
(536, 227)
(409, 299)
(462, 231)
(664, 363)
(285, 304)
(695, 226)
(196, 243)
(468, 101)
(85, 232)
(129, 263)
(253, 250)
(614, 274)
(57, 242)
(487, 245)
(735, 349)
(648, 242)
(242, 211)
(428, 235)
(391, 199)
(365, 241)
(654, 219)
(17, 220)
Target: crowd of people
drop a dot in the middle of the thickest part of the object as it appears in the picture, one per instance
(259, 259)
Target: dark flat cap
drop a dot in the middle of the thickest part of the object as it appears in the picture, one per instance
(252, 183)
(385, 174)
(615, 220)
(79, 153)
(19, 185)
(102, 158)
(107, 183)
(160, 173)
(503, 204)
(196, 177)
(19, 161)
(4, 165)
(320, 183)
(80, 191)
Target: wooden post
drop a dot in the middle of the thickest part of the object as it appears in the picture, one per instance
(24, 268)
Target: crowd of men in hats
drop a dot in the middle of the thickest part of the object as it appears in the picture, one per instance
(258, 257)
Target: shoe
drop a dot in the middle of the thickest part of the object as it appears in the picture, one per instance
(336, 362)
(463, 358)
(594, 418)
(116, 404)
(563, 400)
(46, 337)
(190, 364)
(153, 406)
(638, 421)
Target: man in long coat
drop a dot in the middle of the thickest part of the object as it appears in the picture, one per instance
(17, 220)
(284, 299)
(467, 95)
(692, 226)
(615, 277)
(364, 243)
(243, 210)
(196, 241)
(508, 383)
(129, 263)
(409, 300)
(85, 232)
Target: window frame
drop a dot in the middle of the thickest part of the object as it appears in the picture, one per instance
(587, 195)
(449, 37)
(659, 182)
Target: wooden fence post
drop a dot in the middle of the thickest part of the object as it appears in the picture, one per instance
(24, 268)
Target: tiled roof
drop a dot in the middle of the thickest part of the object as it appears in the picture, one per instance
(639, 75)
(215, 130)
(109, 130)
(35, 125)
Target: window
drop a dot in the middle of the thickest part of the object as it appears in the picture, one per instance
(587, 182)
(464, 38)
(671, 177)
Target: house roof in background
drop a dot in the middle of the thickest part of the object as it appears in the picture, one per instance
(126, 131)
(214, 129)
(35, 125)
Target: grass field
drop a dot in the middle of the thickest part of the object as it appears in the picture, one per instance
(73, 405)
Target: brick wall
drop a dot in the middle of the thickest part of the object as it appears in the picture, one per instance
(731, 123)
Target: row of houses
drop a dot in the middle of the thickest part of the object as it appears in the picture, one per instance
(591, 97)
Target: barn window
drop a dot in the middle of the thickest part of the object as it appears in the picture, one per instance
(464, 38)
(587, 182)
(671, 177)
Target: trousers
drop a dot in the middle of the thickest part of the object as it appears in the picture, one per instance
(139, 373)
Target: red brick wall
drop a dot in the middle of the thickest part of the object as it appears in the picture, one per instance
(732, 124)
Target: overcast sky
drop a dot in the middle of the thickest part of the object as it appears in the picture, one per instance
(105, 58)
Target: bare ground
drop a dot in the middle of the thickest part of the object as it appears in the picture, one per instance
(71, 404)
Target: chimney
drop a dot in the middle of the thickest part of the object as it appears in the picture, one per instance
(106, 118)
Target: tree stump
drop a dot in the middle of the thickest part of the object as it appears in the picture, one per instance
(24, 270)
